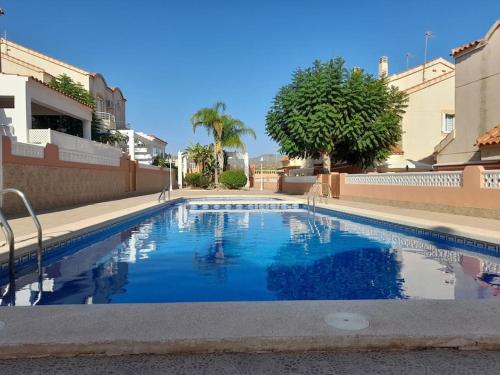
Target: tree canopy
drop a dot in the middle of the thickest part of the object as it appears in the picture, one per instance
(329, 110)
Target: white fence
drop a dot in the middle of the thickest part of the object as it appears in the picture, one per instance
(431, 179)
(300, 179)
(491, 179)
(27, 150)
(76, 149)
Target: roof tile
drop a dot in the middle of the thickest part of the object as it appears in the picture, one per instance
(457, 50)
(491, 137)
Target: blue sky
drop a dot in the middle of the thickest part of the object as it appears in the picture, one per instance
(172, 57)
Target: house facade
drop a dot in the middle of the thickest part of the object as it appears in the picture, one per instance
(477, 89)
(430, 114)
(110, 102)
(23, 98)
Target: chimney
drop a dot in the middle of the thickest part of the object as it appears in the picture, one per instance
(383, 67)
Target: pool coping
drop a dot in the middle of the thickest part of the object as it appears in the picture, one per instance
(70, 330)
(239, 327)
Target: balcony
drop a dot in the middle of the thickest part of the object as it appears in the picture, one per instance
(76, 149)
(107, 119)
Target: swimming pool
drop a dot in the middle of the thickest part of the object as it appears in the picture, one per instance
(192, 252)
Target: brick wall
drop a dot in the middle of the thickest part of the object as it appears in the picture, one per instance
(51, 183)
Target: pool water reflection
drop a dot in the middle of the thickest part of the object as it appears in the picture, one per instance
(183, 255)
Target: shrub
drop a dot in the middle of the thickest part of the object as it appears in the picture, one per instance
(197, 180)
(233, 179)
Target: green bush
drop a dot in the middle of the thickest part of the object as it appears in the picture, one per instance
(233, 179)
(197, 180)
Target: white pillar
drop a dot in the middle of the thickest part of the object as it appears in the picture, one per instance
(22, 122)
(131, 143)
(179, 169)
(246, 168)
(87, 129)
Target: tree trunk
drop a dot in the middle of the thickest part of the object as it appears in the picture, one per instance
(327, 163)
(216, 171)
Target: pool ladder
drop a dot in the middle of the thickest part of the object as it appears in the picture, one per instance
(163, 194)
(9, 236)
(317, 192)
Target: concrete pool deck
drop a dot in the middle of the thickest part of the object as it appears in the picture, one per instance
(248, 326)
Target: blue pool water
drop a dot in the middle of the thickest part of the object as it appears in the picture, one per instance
(181, 254)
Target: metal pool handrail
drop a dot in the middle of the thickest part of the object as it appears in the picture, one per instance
(163, 195)
(9, 234)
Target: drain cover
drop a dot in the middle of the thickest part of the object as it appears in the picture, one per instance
(347, 321)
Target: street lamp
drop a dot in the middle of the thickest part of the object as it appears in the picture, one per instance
(261, 174)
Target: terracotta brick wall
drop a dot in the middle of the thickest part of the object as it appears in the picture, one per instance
(51, 183)
(152, 181)
(52, 187)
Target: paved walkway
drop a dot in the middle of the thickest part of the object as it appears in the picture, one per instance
(439, 362)
(67, 221)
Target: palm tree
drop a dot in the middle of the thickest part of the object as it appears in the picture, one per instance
(226, 131)
(203, 156)
(232, 133)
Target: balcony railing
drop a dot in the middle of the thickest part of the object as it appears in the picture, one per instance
(107, 119)
(76, 149)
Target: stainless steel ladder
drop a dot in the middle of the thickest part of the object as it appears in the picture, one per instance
(9, 234)
(317, 192)
(162, 195)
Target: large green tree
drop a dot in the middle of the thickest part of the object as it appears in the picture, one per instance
(225, 129)
(330, 111)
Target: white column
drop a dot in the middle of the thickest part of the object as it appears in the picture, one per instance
(87, 129)
(179, 169)
(131, 144)
(22, 124)
(246, 168)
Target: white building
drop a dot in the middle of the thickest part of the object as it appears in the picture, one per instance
(22, 98)
(144, 147)
(37, 69)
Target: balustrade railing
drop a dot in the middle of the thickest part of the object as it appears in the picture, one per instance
(430, 179)
(76, 149)
(491, 179)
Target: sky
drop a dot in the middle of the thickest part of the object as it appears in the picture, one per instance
(171, 58)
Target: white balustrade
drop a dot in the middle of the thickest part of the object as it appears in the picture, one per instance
(76, 149)
(300, 179)
(27, 150)
(430, 179)
(491, 179)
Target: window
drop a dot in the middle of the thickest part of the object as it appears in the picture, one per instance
(448, 123)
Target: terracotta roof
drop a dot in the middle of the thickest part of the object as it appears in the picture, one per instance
(457, 50)
(396, 150)
(491, 137)
(61, 92)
